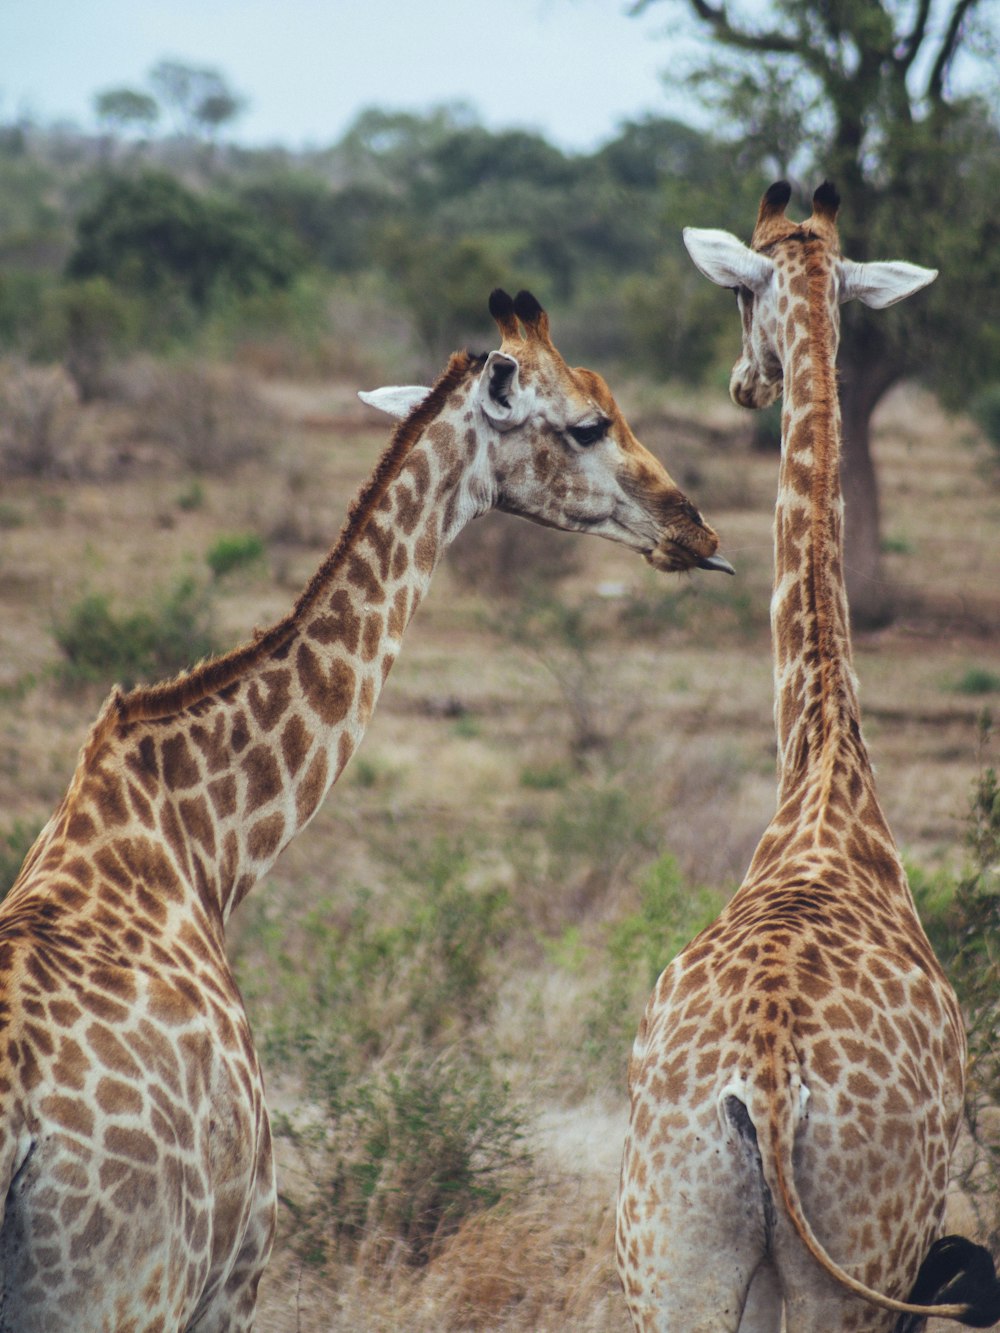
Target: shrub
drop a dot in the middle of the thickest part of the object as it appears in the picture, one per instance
(234, 552)
(962, 920)
(366, 1004)
(639, 946)
(985, 409)
(15, 844)
(377, 981)
(149, 233)
(410, 1153)
(89, 321)
(212, 419)
(37, 420)
(101, 645)
(977, 680)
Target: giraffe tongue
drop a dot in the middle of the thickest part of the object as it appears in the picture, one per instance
(716, 562)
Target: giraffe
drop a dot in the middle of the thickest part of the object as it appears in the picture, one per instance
(796, 1082)
(136, 1168)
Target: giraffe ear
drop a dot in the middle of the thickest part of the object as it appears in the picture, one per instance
(500, 392)
(882, 284)
(724, 259)
(398, 400)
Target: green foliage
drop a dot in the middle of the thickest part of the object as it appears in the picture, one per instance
(962, 920)
(15, 844)
(104, 646)
(380, 975)
(376, 1006)
(985, 408)
(150, 234)
(674, 320)
(85, 323)
(766, 430)
(638, 947)
(234, 551)
(977, 680)
(546, 777)
(192, 497)
(410, 1153)
(442, 281)
(126, 108)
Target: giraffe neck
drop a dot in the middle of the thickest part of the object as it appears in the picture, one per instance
(217, 772)
(816, 706)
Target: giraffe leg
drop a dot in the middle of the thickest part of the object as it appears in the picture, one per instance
(813, 1300)
(762, 1312)
(687, 1257)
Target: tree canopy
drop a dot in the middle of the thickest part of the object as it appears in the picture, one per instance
(149, 232)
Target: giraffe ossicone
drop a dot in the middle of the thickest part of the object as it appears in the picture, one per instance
(136, 1169)
(797, 1080)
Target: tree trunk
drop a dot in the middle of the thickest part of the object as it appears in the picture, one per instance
(869, 595)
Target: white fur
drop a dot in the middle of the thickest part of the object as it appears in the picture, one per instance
(882, 283)
(725, 260)
(398, 400)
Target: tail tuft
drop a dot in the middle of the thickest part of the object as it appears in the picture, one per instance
(956, 1272)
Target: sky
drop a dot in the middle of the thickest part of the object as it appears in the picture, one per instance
(573, 69)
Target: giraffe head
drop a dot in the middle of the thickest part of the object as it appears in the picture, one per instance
(769, 273)
(556, 448)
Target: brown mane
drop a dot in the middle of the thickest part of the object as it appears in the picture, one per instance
(146, 703)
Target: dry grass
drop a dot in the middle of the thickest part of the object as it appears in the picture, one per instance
(475, 743)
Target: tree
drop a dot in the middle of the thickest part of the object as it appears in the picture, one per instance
(200, 99)
(122, 109)
(863, 92)
(151, 235)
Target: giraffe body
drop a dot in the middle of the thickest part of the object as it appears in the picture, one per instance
(136, 1168)
(797, 1080)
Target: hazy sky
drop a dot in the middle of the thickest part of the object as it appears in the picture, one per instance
(572, 68)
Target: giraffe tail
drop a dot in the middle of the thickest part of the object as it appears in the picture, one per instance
(957, 1279)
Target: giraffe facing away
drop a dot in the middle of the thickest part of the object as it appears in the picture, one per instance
(136, 1172)
(797, 1079)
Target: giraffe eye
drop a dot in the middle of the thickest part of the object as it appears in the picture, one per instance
(587, 435)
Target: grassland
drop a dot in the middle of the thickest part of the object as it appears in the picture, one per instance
(566, 776)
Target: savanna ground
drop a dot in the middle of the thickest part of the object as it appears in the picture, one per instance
(566, 776)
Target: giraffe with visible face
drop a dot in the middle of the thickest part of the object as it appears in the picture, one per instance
(136, 1172)
(796, 1083)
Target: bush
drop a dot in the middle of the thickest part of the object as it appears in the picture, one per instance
(410, 1153)
(234, 552)
(977, 680)
(15, 844)
(150, 234)
(103, 646)
(211, 419)
(37, 420)
(378, 982)
(985, 408)
(963, 922)
(639, 946)
(89, 322)
(366, 1004)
